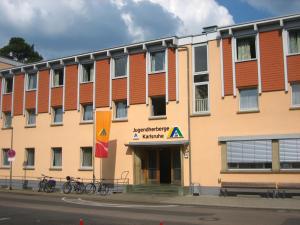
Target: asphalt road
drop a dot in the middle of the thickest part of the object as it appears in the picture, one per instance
(68, 210)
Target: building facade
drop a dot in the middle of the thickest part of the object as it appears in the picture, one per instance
(219, 106)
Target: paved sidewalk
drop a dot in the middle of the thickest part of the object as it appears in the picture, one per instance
(240, 202)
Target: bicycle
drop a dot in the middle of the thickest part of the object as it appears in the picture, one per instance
(46, 185)
(103, 188)
(73, 183)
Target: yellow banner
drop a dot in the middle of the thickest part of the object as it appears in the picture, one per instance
(103, 121)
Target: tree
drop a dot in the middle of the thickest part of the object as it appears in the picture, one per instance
(17, 49)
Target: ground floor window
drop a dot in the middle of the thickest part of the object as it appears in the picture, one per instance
(296, 95)
(86, 157)
(120, 109)
(255, 154)
(56, 158)
(248, 99)
(289, 152)
(4, 158)
(7, 119)
(201, 98)
(158, 106)
(29, 157)
(31, 117)
(87, 114)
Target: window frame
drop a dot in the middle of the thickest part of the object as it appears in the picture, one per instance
(54, 113)
(81, 158)
(26, 166)
(52, 158)
(27, 81)
(114, 67)
(150, 61)
(3, 152)
(236, 48)
(292, 105)
(27, 117)
(288, 42)
(248, 109)
(202, 73)
(151, 107)
(281, 162)
(83, 109)
(53, 75)
(5, 85)
(115, 110)
(82, 71)
(5, 119)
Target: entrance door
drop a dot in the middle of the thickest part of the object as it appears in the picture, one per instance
(165, 166)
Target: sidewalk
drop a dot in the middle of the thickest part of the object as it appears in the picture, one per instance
(240, 202)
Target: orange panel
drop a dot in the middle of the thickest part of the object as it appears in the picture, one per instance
(119, 89)
(71, 87)
(86, 93)
(157, 84)
(30, 97)
(246, 74)
(293, 65)
(138, 78)
(172, 74)
(43, 96)
(227, 66)
(102, 83)
(18, 94)
(6, 103)
(56, 96)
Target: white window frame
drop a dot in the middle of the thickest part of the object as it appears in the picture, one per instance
(288, 42)
(83, 111)
(26, 166)
(53, 115)
(199, 74)
(2, 158)
(292, 105)
(81, 73)
(81, 159)
(27, 118)
(236, 49)
(114, 67)
(52, 158)
(5, 85)
(150, 60)
(249, 109)
(27, 82)
(4, 120)
(53, 75)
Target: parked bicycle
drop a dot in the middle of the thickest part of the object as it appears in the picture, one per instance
(46, 184)
(73, 184)
(103, 188)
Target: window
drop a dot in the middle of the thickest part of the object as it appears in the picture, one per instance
(255, 154)
(86, 157)
(120, 66)
(4, 161)
(31, 81)
(29, 157)
(87, 112)
(201, 98)
(58, 78)
(57, 115)
(289, 152)
(87, 73)
(121, 109)
(157, 61)
(296, 95)
(158, 106)
(245, 48)
(8, 85)
(56, 158)
(248, 99)
(7, 120)
(31, 117)
(200, 58)
(294, 41)
(201, 79)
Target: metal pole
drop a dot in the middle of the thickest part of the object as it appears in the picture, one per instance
(11, 163)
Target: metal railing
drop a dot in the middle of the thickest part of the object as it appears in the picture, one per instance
(201, 105)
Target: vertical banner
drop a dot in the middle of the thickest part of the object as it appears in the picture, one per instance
(103, 121)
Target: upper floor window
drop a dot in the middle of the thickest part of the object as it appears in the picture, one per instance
(294, 41)
(121, 109)
(158, 106)
(120, 66)
(30, 117)
(245, 48)
(7, 120)
(87, 114)
(248, 99)
(31, 81)
(57, 115)
(157, 61)
(4, 158)
(87, 72)
(58, 77)
(200, 59)
(296, 95)
(8, 85)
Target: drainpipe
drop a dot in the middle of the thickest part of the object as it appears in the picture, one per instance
(188, 117)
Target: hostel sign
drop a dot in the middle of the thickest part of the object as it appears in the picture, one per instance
(156, 133)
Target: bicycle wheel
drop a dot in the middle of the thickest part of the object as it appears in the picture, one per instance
(80, 188)
(67, 188)
(103, 189)
(49, 188)
(41, 186)
(90, 188)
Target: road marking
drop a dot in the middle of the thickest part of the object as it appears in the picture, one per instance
(80, 201)
(4, 219)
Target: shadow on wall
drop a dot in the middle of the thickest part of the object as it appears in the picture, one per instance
(109, 163)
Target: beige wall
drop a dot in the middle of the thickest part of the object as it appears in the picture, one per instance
(5, 66)
(274, 117)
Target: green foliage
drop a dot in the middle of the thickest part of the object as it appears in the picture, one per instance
(17, 49)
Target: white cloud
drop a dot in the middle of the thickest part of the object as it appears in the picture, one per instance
(134, 30)
(276, 7)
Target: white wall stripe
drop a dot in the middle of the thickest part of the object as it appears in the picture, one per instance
(50, 90)
(37, 92)
(24, 93)
(258, 63)
(79, 67)
(64, 90)
(147, 71)
(222, 68)
(167, 74)
(285, 52)
(233, 48)
(128, 80)
(12, 97)
(110, 81)
(94, 86)
(177, 75)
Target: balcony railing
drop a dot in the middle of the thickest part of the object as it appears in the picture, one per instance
(201, 105)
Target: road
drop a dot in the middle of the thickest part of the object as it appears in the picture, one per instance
(67, 210)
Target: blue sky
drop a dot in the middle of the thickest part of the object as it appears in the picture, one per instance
(65, 27)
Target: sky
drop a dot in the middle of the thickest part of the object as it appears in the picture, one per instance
(60, 28)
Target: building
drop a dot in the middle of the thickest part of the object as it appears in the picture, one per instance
(219, 106)
(6, 63)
